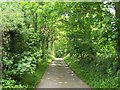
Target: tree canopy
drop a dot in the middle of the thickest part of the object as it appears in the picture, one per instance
(34, 31)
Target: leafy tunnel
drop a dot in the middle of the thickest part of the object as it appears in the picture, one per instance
(85, 34)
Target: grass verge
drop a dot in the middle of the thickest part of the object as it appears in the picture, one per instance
(31, 80)
(94, 79)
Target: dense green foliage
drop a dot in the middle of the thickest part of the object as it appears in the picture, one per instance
(33, 79)
(93, 77)
(24, 44)
(86, 32)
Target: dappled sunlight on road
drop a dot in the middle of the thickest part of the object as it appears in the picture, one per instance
(59, 75)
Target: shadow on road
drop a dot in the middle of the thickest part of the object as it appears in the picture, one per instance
(59, 75)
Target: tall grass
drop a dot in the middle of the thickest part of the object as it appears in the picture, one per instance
(31, 80)
(94, 79)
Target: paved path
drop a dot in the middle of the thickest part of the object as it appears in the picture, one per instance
(59, 75)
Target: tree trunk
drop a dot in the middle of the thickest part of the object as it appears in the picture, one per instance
(0, 43)
(0, 51)
(35, 21)
(118, 30)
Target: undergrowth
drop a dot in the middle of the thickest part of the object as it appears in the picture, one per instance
(94, 79)
(33, 79)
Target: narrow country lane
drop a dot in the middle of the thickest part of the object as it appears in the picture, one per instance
(59, 75)
(86, 33)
